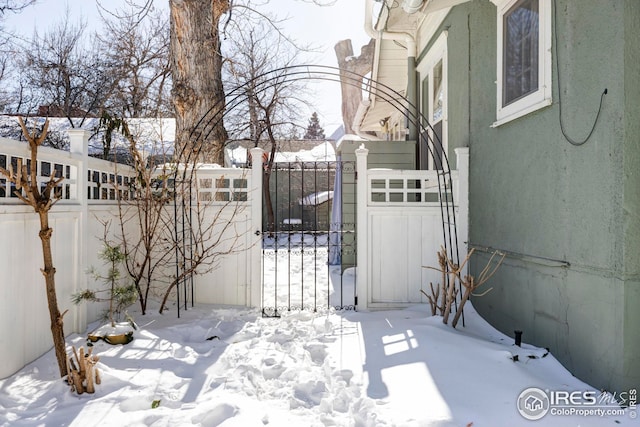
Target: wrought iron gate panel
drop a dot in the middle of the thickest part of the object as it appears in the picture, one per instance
(308, 238)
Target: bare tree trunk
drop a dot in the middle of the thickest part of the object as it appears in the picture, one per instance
(351, 85)
(271, 221)
(49, 271)
(196, 66)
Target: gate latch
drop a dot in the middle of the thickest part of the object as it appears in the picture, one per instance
(258, 232)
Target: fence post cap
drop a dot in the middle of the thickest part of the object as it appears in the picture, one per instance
(361, 150)
(78, 139)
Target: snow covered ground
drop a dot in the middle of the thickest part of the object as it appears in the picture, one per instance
(226, 366)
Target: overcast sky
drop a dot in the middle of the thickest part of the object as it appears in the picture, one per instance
(321, 26)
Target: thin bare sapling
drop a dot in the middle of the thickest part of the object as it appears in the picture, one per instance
(119, 292)
(210, 226)
(41, 198)
(159, 196)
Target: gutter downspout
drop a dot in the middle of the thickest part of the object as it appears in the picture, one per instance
(412, 6)
(357, 120)
(411, 64)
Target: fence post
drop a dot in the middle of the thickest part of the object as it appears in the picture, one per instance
(79, 139)
(462, 155)
(255, 283)
(362, 230)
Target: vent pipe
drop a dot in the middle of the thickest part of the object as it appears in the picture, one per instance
(412, 6)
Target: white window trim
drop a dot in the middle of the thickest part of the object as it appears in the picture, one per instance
(437, 52)
(540, 98)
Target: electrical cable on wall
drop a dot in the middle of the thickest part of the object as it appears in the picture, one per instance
(604, 92)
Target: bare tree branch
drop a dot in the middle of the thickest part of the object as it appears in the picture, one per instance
(14, 6)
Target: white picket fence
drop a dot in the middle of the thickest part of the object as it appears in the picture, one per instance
(399, 231)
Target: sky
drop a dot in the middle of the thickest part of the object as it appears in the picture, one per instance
(321, 27)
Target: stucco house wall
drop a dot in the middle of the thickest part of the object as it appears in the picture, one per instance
(567, 216)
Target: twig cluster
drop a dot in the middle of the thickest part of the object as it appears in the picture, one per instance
(443, 295)
(83, 374)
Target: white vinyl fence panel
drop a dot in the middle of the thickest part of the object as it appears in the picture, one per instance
(400, 230)
(24, 316)
(90, 199)
(225, 197)
(398, 234)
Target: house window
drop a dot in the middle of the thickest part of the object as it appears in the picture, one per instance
(438, 93)
(524, 57)
(433, 103)
(520, 51)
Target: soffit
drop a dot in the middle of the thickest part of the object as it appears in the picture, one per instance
(391, 84)
(394, 18)
(391, 57)
(399, 20)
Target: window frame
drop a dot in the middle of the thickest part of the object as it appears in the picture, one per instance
(438, 53)
(540, 98)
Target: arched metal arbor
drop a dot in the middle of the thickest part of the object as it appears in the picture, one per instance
(265, 81)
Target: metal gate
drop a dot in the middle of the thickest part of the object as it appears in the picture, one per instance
(308, 237)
